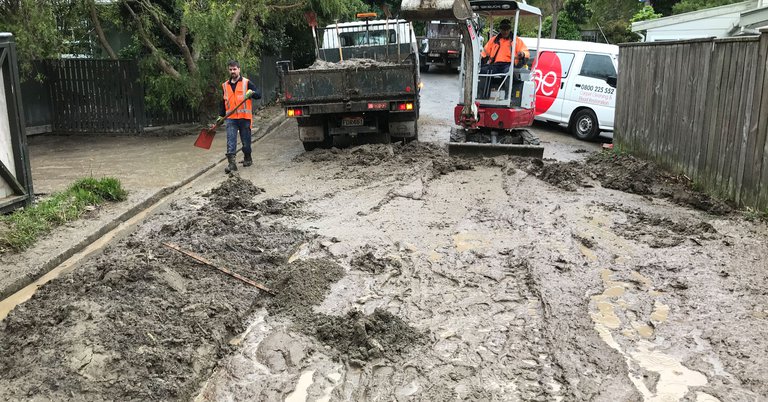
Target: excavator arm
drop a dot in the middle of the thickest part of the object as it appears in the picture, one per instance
(462, 11)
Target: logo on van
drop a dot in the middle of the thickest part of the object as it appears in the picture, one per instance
(547, 76)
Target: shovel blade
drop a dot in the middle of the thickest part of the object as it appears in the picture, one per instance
(205, 139)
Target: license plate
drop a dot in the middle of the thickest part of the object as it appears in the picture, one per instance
(434, 55)
(351, 121)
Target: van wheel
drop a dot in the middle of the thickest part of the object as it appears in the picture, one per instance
(584, 125)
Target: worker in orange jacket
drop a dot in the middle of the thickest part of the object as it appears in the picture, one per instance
(237, 89)
(497, 54)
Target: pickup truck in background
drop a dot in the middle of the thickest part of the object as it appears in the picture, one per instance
(365, 83)
(441, 46)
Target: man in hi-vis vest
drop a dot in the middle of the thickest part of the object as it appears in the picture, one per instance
(238, 92)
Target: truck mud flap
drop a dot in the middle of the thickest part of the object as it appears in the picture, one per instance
(402, 128)
(490, 150)
(311, 133)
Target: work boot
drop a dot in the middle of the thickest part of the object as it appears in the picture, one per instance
(232, 164)
(247, 161)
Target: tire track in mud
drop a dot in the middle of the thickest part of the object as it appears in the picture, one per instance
(511, 277)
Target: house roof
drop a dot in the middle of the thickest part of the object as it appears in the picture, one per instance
(694, 15)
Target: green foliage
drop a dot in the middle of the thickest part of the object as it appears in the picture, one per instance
(22, 228)
(566, 28)
(33, 24)
(646, 13)
(577, 11)
(686, 6)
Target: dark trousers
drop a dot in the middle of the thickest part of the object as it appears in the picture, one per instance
(233, 127)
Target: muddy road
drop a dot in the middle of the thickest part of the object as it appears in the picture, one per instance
(404, 274)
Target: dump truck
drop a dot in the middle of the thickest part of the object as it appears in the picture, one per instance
(363, 85)
(441, 46)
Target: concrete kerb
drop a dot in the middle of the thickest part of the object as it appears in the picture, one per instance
(57, 260)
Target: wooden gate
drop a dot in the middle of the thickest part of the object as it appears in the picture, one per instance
(96, 96)
(15, 173)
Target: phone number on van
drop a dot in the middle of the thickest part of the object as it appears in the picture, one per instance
(601, 90)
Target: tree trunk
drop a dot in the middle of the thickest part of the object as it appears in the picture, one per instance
(99, 31)
(555, 11)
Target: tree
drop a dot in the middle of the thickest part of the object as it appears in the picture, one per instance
(186, 43)
(646, 13)
(566, 29)
(40, 27)
(612, 17)
(556, 5)
(686, 6)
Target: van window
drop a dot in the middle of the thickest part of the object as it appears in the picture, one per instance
(597, 66)
(566, 59)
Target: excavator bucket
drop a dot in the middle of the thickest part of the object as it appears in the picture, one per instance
(518, 142)
(465, 149)
(435, 9)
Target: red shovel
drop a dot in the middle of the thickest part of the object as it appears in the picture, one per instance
(205, 139)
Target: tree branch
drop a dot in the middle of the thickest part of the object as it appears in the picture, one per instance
(236, 17)
(164, 65)
(99, 31)
(180, 40)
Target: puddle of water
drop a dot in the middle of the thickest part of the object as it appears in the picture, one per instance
(469, 241)
(674, 378)
(642, 329)
(434, 256)
(614, 291)
(660, 312)
(336, 379)
(704, 397)
(640, 278)
(302, 387)
(605, 315)
(588, 252)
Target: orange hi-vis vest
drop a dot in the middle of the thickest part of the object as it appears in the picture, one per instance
(503, 49)
(232, 99)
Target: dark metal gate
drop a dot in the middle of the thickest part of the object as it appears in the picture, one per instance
(15, 172)
(96, 96)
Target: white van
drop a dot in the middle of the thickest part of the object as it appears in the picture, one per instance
(576, 84)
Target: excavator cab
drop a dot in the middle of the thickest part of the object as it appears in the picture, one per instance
(495, 105)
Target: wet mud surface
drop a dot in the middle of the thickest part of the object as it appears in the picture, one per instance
(402, 273)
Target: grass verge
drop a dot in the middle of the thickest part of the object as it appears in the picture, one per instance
(21, 229)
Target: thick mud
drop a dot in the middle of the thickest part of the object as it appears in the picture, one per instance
(348, 64)
(144, 322)
(402, 273)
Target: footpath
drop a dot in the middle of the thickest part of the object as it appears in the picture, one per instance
(149, 166)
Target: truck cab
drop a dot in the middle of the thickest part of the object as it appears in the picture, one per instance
(441, 46)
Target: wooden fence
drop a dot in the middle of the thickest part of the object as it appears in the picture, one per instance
(102, 96)
(699, 107)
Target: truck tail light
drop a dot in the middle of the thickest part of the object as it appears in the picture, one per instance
(404, 106)
(294, 112)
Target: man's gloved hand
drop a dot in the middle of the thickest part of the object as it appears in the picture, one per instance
(219, 120)
(249, 94)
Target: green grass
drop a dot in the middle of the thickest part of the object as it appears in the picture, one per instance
(755, 215)
(21, 229)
